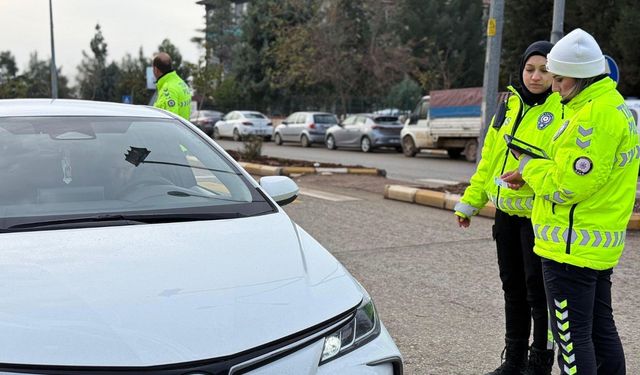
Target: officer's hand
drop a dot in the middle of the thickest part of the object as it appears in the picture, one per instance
(513, 179)
(463, 222)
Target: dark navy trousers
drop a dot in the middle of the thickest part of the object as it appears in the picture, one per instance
(522, 282)
(582, 320)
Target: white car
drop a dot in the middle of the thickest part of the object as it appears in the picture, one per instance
(133, 244)
(239, 124)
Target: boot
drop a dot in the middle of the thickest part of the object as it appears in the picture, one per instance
(514, 357)
(540, 362)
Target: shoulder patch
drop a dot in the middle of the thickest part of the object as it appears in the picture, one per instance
(582, 165)
(544, 120)
(171, 103)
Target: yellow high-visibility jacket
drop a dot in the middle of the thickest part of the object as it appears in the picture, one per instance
(532, 124)
(586, 191)
(173, 95)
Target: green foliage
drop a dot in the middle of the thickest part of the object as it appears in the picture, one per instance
(446, 41)
(220, 34)
(251, 148)
(627, 39)
(133, 78)
(227, 95)
(96, 79)
(35, 82)
(519, 31)
(404, 95)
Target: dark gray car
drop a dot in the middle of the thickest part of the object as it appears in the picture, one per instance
(365, 131)
(205, 119)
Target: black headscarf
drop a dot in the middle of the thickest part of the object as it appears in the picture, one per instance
(541, 48)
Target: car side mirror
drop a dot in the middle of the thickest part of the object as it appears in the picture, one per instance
(413, 118)
(281, 188)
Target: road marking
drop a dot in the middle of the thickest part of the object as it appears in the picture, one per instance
(326, 196)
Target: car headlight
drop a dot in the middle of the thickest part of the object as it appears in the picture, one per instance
(364, 327)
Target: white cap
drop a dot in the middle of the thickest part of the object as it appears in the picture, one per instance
(577, 55)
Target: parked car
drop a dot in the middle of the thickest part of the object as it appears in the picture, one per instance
(205, 119)
(131, 244)
(239, 124)
(365, 131)
(304, 127)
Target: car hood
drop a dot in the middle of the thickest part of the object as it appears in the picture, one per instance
(163, 293)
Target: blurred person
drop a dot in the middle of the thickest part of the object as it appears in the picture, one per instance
(531, 113)
(586, 193)
(173, 93)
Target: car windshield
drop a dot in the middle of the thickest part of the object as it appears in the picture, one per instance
(325, 119)
(254, 115)
(54, 168)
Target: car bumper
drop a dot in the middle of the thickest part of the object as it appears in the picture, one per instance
(263, 132)
(316, 137)
(390, 141)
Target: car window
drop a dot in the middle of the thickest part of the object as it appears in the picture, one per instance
(62, 166)
(361, 120)
(291, 119)
(325, 119)
(254, 115)
(349, 120)
(386, 120)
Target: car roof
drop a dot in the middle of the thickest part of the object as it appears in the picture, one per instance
(73, 107)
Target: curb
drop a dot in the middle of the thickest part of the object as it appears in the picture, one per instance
(267, 170)
(447, 201)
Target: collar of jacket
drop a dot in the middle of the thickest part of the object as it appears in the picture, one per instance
(165, 77)
(594, 90)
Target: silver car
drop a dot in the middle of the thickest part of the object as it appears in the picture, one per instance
(239, 124)
(304, 127)
(365, 131)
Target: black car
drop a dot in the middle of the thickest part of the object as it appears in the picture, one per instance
(205, 119)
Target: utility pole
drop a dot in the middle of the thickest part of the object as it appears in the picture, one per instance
(558, 21)
(54, 70)
(491, 68)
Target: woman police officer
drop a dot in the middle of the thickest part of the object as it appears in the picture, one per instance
(586, 193)
(532, 113)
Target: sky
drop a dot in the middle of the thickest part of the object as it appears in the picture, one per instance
(126, 25)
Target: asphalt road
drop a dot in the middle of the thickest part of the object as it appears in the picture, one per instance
(436, 286)
(426, 165)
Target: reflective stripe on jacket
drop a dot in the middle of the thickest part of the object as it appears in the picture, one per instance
(532, 124)
(586, 192)
(173, 95)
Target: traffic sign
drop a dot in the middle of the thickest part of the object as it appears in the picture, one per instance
(612, 69)
(127, 99)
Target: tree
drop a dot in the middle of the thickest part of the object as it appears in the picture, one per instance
(625, 35)
(252, 57)
(8, 67)
(446, 41)
(205, 79)
(133, 78)
(220, 34)
(96, 79)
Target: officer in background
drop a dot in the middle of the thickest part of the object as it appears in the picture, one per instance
(173, 94)
(531, 113)
(585, 195)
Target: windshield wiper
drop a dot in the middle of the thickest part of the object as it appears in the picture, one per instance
(119, 219)
(177, 193)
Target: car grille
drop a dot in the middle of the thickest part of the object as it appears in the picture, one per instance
(236, 364)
